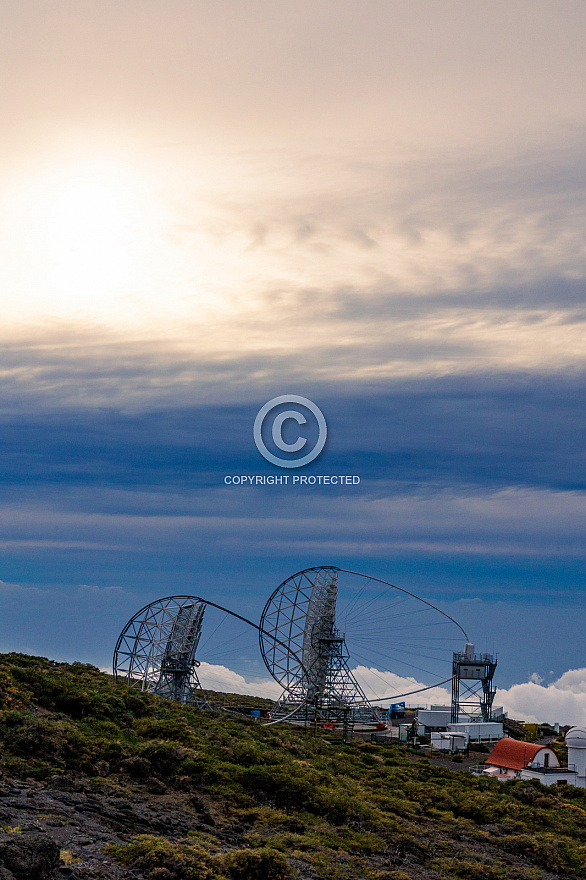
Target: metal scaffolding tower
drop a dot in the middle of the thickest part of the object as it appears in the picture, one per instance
(178, 676)
(472, 690)
(321, 687)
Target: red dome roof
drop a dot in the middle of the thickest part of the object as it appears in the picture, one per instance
(513, 754)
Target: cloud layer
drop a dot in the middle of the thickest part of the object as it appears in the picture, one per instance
(563, 701)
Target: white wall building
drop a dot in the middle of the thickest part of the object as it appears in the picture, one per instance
(439, 718)
(513, 759)
(449, 742)
(510, 757)
(479, 731)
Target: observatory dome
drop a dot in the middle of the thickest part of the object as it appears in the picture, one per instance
(576, 738)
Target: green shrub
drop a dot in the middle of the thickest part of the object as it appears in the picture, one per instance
(182, 860)
(165, 757)
(468, 869)
(189, 860)
(176, 730)
(296, 789)
(257, 864)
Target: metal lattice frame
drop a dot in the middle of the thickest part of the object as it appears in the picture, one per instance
(305, 652)
(308, 656)
(473, 692)
(156, 649)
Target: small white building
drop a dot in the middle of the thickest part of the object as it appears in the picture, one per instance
(449, 742)
(551, 775)
(479, 731)
(436, 718)
(510, 757)
(440, 718)
(573, 774)
(513, 759)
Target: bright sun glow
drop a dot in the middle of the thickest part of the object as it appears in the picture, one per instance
(84, 240)
(106, 240)
(93, 223)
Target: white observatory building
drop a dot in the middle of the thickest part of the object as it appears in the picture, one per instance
(515, 759)
(576, 743)
(573, 774)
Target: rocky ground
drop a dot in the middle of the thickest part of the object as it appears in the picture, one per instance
(60, 828)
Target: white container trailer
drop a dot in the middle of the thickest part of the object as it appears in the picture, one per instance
(449, 742)
(479, 731)
(433, 718)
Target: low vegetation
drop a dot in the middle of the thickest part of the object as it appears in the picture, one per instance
(297, 806)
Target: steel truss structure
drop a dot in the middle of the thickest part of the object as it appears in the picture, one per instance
(306, 653)
(472, 690)
(156, 649)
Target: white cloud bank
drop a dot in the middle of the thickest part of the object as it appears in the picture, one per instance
(220, 678)
(375, 683)
(563, 700)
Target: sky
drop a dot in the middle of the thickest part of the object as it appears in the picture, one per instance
(377, 206)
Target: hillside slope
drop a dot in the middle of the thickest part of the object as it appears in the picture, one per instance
(128, 785)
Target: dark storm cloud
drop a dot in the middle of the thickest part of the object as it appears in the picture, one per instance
(523, 430)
